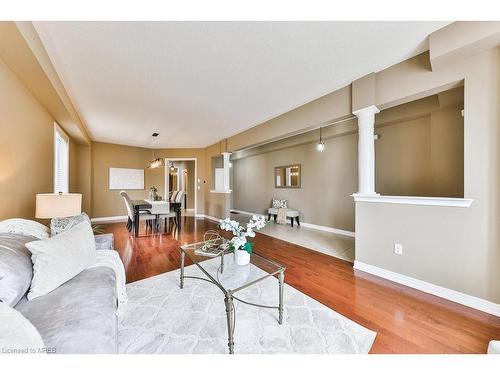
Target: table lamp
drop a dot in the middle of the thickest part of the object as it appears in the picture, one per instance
(49, 205)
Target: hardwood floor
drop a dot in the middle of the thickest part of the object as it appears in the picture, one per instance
(406, 320)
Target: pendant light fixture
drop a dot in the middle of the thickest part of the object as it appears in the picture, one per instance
(321, 145)
(156, 162)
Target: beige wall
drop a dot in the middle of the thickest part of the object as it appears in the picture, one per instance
(456, 248)
(419, 153)
(420, 148)
(84, 176)
(30, 103)
(363, 91)
(462, 39)
(22, 50)
(335, 105)
(215, 204)
(73, 166)
(26, 149)
(402, 158)
(106, 203)
(328, 180)
(447, 152)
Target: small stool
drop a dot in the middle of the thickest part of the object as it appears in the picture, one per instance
(290, 214)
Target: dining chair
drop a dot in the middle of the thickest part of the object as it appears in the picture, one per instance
(143, 215)
(166, 217)
(179, 196)
(172, 196)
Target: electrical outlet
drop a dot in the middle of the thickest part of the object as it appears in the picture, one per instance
(398, 249)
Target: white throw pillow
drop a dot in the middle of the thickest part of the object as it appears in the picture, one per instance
(280, 203)
(17, 334)
(60, 224)
(25, 227)
(60, 258)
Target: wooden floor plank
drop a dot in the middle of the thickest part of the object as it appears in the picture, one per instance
(406, 320)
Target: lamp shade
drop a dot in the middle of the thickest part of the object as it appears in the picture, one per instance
(58, 205)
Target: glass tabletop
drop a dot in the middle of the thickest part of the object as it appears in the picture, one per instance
(224, 271)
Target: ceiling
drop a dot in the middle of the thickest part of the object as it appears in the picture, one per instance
(198, 82)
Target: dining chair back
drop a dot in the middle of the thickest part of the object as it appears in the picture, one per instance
(179, 196)
(173, 195)
(128, 204)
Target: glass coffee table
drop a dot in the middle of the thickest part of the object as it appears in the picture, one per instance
(227, 277)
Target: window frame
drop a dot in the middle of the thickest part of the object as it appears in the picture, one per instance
(60, 133)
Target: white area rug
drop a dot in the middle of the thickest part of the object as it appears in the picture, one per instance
(162, 318)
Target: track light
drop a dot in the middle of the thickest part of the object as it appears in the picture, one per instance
(321, 145)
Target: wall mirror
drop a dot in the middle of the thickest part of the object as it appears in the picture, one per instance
(287, 176)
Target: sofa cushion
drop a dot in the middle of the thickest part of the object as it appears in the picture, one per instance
(79, 316)
(289, 213)
(16, 269)
(60, 258)
(61, 224)
(17, 334)
(25, 227)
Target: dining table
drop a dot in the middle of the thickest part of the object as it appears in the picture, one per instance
(155, 208)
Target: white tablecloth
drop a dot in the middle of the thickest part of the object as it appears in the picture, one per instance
(159, 207)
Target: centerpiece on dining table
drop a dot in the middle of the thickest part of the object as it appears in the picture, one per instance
(239, 244)
(153, 193)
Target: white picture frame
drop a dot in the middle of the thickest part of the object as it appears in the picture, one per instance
(126, 179)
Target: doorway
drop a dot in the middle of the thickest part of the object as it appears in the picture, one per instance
(173, 178)
(181, 174)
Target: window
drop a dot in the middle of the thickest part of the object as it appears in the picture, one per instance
(420, 149)
(61, 160)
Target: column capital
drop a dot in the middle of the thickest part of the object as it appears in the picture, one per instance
(370, 110)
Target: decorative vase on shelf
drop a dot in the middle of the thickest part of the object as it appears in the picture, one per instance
(242, 257)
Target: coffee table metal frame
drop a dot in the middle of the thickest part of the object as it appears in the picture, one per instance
(229, 296)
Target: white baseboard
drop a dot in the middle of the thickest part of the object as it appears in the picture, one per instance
(109, 219)
(329, 229)
(452, 295)
(211, 218)
(307, 225)
(235, 210)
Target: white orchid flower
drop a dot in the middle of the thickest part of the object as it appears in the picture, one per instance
(250, 232)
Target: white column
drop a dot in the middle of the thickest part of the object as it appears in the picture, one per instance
(225, 156)
(366, 150)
